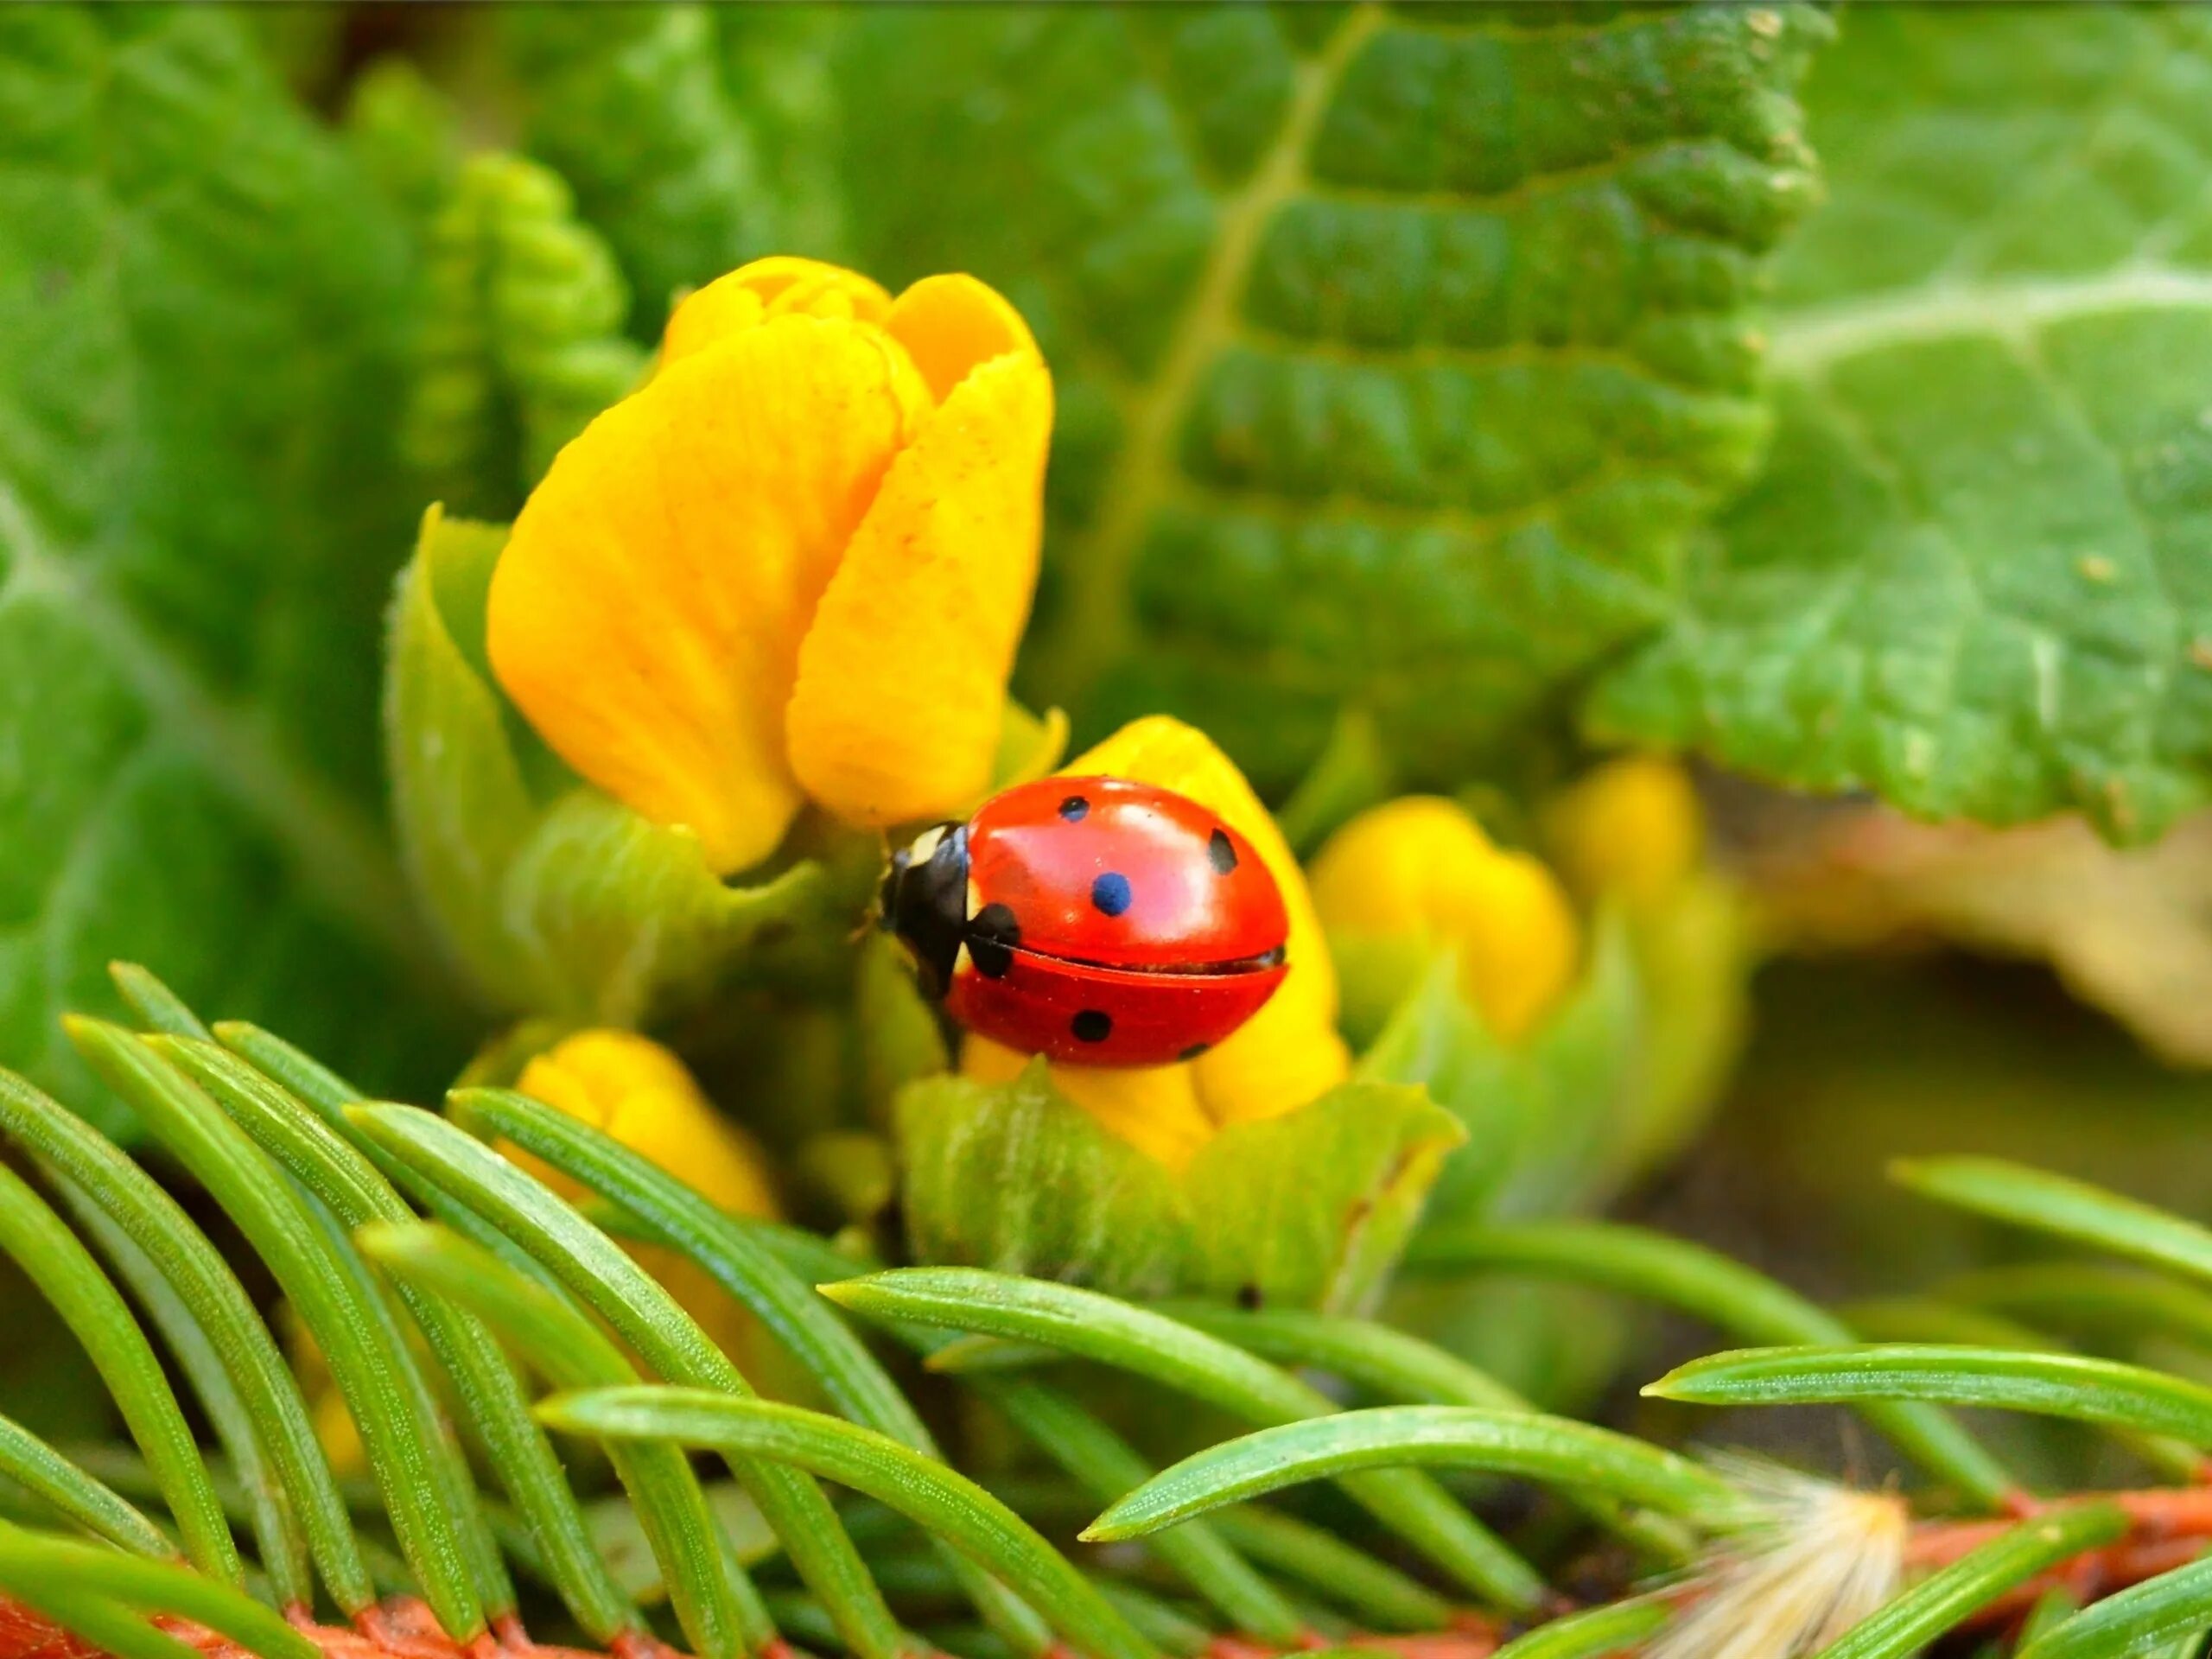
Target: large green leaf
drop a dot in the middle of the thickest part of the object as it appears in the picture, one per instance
(648, 112)
(1975, 576)
(200, 507)
(1397, 350)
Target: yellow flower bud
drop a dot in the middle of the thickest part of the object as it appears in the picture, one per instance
(640, 1094)
(1631, 829)
(637, 1093)
(793, 565)
(1286, 1055)
(1417, 875)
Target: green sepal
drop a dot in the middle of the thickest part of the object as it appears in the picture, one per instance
(553, 898)
(1539, 1113)
(1309, 1209)
(1612, 1081)
(1016, 1177)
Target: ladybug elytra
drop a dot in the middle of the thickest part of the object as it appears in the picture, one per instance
(1091, 920)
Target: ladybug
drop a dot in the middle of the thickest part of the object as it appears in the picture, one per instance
(1091, 920)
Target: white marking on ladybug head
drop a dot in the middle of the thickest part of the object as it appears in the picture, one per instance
(919, 848)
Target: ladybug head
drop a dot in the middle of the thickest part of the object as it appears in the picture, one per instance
(926, 901)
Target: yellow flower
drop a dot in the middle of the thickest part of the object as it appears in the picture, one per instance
(794, 564)
(1417, 875)
(1285, 1056)
(640, 1094)
(1630, 829)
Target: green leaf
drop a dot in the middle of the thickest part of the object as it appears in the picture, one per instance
(1553, 1450)
(76, 1496)
(1542, 1117)
(678, 1218)
(1396, 1366)
(406, 135)
(1311, 1209)
(201, 307)
(2004, 1379)
(2142, 1619)
(1350, 774)
(1114, 1332)
(942, 1502)
(429, 1494)
(597, 1271)
(1593, 1634)
(1972, 577)
(715, 1601)
(264, 1500)
(1711, 1287)
(1396, 350)
(1017, 1178)
(105, 1626)
(157, 1007)
(555, 898)
(521, 344)
(1373, 1592)
(2057, 1203)
(635, 106)
(489, 1394)
(1946, 1598)
(204, 1312)
(2081, 1295)
(67, 1276)
(153, 1586)
(1107, 1467)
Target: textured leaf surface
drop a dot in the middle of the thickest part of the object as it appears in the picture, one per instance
(1977, 574)
(1397, 350)
(647, 111)
(1018, 1178)
(1311, 1209)
(199, 510)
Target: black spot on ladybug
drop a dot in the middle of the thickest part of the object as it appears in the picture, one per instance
(1073, 808)
(1092, 1025)
(1219, 853)
(992, 936)
(1110, 893)
(1194, 1050)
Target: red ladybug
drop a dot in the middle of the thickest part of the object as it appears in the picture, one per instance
(1091, 920)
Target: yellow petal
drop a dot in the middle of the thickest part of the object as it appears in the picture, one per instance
(1632, 828)
(647, 614)
(1155, 1108)
(1420, 868)
(902, 680)
(950, 325)
(641, 1095)
(777, 286)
